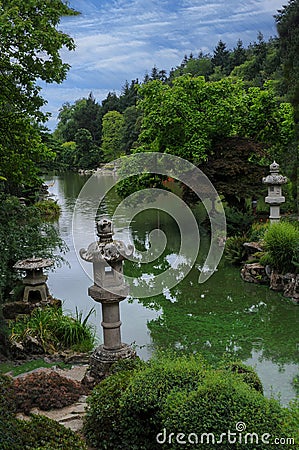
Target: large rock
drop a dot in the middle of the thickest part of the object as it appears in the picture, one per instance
(12, 310)
(287, 283)
(254, 273)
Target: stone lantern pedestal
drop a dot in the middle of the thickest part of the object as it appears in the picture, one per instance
(109, 289)
(275, 197)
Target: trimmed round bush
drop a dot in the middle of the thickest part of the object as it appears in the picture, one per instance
(169, 398)
(103, 424)
(220, 412)
(143, 401)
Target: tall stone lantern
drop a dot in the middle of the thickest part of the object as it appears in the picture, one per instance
(275, 197)
(109, 289)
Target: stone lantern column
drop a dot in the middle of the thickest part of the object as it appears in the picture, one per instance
(274, 197)
(109, 289)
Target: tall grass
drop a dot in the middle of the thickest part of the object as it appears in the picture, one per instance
(281, 242)
(54, 330)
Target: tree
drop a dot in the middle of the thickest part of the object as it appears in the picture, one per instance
(84, 113)
(233, 170)
(131, 128)
(112, 126)
(128, 95)
(187, 118)
(221, 56)
(87, 153)
(192, 117)
(30, 47)
(238, 55)
(287, 21)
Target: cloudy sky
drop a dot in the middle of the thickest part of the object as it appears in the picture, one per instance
(119, 40)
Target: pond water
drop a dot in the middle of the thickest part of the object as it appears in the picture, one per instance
(223, 316)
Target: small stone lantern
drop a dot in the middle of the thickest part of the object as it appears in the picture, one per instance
(109, 289)
(35, 281)
(275, 197)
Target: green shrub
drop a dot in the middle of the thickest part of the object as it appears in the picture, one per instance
(181, 395)
(49, 210)
(235, 251)
(55, 330)
(257, 231)
(218, 404)
(281, 242)
(103, 424)
(39, 433)
(246, 374)
(237, 221)
(142, 403)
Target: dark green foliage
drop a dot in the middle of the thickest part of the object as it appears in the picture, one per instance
(181, 395)
(30, 47)
(49, 210)
(103, 426)
(87, 155)
(246, 374)
(22, 235)
(221, 57)
(235, 251)
(281, 242)
(238, 221)
(83, 114)
(234, 167)
(287, 27)
(39, 433)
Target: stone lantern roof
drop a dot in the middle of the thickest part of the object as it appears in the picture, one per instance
(106, 249)
(33, 263)
(275, 178)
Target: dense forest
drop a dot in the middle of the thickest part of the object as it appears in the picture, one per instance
(230, 113)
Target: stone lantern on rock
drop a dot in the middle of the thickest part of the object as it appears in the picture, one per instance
(109, 289)
(275, 197)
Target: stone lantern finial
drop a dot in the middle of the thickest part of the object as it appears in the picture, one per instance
(274, 167)
(104, 230)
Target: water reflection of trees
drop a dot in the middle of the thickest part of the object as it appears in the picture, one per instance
(225, 316)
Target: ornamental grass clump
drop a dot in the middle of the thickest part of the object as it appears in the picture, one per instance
(281, 242)
(54, 330)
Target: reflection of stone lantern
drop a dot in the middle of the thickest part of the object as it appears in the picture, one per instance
(109, 289)
(35, 280)
(275, 197)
